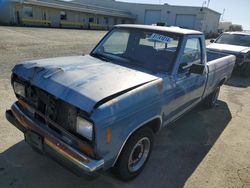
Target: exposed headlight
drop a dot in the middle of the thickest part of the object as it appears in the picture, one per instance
(19, 89)
(84, 128)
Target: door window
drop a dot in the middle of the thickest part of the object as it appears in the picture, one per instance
(191, 55)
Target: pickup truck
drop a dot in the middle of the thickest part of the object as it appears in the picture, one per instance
(235, 43)
(101, 111)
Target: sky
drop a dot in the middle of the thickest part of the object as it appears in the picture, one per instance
(236, 11)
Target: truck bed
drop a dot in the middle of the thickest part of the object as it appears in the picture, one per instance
(211, 55)
(220, 67)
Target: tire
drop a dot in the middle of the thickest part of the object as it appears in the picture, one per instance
(211, 100)
(134, 155)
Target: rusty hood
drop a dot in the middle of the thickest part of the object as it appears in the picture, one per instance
(82, 81)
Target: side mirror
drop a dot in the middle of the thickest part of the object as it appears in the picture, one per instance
(197, 69)
(184, 68)
(212, 41)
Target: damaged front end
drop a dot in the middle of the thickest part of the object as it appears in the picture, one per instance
(55, 108)
(50, 126)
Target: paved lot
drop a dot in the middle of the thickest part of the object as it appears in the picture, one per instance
(205, 148)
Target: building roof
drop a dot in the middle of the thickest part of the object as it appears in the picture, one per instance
(161, 28)
(58, 4)
(239, 33)
(115, 2)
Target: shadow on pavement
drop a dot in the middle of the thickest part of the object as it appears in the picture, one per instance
(238, 81)
(178, 151)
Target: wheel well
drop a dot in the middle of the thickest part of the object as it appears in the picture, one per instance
(154, 125)
(222, 82)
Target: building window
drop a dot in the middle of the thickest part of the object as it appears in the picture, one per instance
(63, 15)
(115, 21)
(97, 20)
(91, 20)
(44, 16)
(123, 21)
(28, 11)
(106, 20)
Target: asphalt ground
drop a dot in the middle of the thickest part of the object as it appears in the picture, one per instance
(205, 148)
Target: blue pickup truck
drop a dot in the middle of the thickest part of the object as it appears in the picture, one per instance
(101, 111)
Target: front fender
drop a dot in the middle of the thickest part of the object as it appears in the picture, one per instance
(123, 116)
(132, 129)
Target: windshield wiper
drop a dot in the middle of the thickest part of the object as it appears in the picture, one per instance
(100, 56)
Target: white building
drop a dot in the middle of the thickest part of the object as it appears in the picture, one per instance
(103, 14)
(56, 13)
(224, 26)
(198, 18)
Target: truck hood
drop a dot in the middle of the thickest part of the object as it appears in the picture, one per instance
(82, 81)
(227, 48)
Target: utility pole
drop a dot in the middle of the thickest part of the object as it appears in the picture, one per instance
(208, 3)
(204, 17)
(223, 13)
(203, 4)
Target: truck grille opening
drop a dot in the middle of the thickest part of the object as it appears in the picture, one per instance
(56, 114)
(52, 108)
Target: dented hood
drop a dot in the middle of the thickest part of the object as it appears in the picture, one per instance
(82, 81)
(227, 48)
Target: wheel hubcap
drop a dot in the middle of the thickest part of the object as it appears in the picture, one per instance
(139, 154)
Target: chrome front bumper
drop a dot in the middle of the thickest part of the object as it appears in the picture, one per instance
(62, 152)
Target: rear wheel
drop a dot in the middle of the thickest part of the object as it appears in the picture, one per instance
(135, 155)
(212, 99)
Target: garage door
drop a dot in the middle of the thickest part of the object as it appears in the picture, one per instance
(185, 21)
(152, 16)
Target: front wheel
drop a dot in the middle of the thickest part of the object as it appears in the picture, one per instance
(134, 155)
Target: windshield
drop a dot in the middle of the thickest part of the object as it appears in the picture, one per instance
(234, 39)
(146, 49)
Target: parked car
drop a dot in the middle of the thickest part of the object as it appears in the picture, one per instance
(102, 110)
(235, 43)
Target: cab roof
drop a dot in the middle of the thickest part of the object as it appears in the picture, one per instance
(161, 28)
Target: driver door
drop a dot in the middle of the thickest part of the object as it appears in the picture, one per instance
(188, 87)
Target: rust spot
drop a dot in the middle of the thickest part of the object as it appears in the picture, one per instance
(23, 104)
(108, 135)
(64, 151)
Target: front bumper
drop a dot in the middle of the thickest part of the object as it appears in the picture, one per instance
(52, 145)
